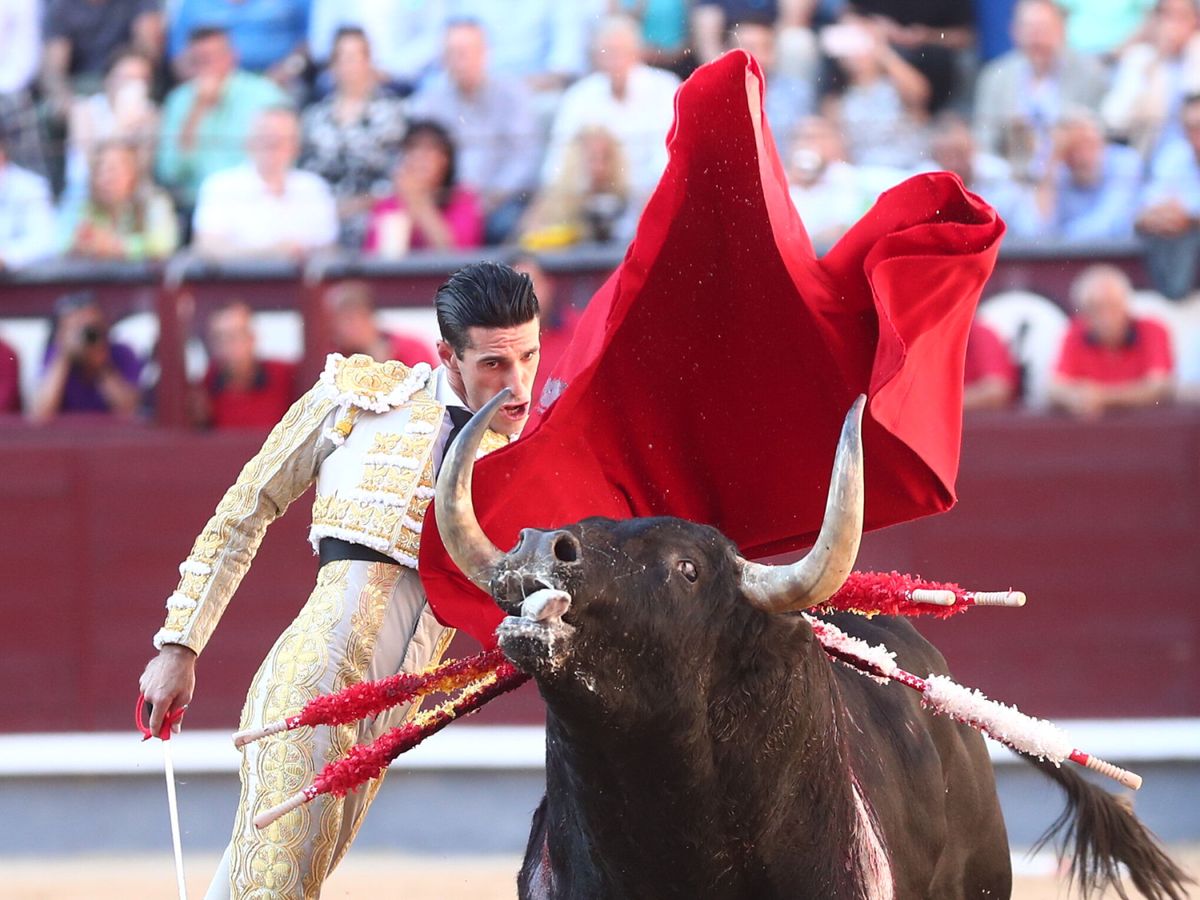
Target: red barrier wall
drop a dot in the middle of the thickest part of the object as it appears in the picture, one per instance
(1100, 525)
(1097, 522)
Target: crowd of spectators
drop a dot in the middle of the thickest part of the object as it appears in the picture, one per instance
(459, 123)
(133, 129)
(553, 117)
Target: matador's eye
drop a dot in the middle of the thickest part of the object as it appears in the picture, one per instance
(687, 569)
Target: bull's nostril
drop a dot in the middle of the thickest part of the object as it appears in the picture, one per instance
(566, 549)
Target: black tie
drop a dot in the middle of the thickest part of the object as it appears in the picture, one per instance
(459, 416)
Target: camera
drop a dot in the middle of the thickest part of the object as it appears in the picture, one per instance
(92, 335)
(601, 212)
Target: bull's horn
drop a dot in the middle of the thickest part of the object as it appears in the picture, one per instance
(812, 580)
(465, 541)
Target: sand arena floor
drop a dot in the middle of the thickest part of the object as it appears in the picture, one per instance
(369, 876)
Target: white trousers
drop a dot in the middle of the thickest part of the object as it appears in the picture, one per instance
(363, 621)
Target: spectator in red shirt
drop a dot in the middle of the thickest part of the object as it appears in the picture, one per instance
(1110, 359)
(990, 377)
(10, 380)
(558, 320)
(240, 390)
(352, 311)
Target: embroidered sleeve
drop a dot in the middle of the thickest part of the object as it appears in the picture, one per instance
(279, 473)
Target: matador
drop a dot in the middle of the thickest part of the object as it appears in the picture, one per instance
(371, 435)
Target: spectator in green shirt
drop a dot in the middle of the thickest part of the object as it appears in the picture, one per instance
(124, 217)
(1104, 27)
(207, 119)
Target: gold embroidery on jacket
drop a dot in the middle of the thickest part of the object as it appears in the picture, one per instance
(271, 480)
(372, 788)
(492, 441)
(357, 518)
(361, 375)
(386, 443)
(387, 490)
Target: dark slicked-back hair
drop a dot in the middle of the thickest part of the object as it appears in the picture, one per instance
(486, 295)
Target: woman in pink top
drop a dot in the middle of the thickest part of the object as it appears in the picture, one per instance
(427, 210)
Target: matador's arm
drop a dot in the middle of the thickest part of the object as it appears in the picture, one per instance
(279, 473)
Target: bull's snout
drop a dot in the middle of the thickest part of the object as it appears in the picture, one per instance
(559, 546)
(540, 560)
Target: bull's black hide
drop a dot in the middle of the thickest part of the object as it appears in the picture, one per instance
(698, 747)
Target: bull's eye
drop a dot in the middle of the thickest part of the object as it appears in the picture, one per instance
(687, 569)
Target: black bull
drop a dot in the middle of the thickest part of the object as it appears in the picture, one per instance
(700, 745)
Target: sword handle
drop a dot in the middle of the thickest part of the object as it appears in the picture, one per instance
(142, 712)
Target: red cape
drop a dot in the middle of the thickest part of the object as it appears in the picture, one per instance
(709, 376)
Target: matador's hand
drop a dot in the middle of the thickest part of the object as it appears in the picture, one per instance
(168, 682)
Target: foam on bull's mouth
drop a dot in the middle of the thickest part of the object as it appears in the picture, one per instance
(540, 624)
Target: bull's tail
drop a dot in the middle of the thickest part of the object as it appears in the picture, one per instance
(1099, 833)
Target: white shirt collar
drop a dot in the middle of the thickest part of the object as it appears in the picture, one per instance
(443, 393)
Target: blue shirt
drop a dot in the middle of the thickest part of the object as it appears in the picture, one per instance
(406, 36)
(1102, 211)
(1174, 175)
(664, 22)
(262, 31)
(530, 37)
(787, 100)
(993, 28)
(26, 217)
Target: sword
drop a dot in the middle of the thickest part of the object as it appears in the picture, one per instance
(169, 767)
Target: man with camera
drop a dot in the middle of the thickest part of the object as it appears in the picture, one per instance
(84, 371)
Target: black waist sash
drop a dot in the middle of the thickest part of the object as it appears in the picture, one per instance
(333, 549)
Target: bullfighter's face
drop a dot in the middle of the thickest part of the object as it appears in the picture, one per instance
(495, 359)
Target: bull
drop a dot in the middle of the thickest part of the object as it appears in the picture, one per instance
(701, 743)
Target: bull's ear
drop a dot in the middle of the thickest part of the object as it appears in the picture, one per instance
(813, 579)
